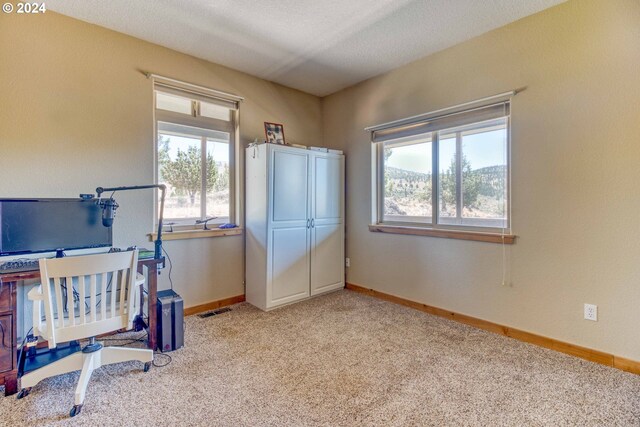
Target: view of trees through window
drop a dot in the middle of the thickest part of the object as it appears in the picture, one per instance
(188, 173)
(407, 180)
(472, 177)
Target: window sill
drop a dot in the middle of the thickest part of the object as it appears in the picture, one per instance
(196, 234)
(476, 236)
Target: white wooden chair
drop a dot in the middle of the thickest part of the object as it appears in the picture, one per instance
(83, 297)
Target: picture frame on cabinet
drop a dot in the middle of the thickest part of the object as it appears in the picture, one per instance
(274, 132)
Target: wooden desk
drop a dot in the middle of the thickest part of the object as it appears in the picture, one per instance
(9, 311)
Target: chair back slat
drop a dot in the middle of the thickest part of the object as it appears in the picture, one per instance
(71, 315)
(93, 298)
(103, 296)
(114, 291)
(93, 294)
(58, 289)
(123, 288)
(134, 292)
(82, 306)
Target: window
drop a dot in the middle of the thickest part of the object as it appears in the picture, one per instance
(196, 149)
(449, 172)
(408, 181)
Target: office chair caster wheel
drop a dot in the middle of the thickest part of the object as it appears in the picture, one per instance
(75, 410)
(24, 393)
(147, 366)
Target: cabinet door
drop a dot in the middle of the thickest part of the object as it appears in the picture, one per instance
(289, 265)
(327, 258)
(327, 229)
(327, 205)
(6, 345)
(289, 188)
(289, 237)
(6, 296)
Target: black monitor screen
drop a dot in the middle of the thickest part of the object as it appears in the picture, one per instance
(47, 225)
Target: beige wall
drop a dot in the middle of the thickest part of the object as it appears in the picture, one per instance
(575, 154)
(75, 113)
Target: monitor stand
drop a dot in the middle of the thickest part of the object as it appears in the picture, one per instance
(59, 253)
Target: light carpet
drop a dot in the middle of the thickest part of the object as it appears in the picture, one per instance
(343, 359)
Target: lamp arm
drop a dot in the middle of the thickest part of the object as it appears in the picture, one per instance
(163, 190)
(101, 190)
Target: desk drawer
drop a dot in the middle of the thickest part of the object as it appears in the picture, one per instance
(6, 304)
(6, 344)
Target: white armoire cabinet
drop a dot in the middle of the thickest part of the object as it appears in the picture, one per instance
(294, 224)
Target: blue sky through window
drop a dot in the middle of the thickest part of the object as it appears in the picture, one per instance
(482, 150)
(219, 150)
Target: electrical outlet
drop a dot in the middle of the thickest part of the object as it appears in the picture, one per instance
(591, 312)
(347, 262)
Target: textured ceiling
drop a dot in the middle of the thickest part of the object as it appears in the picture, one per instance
(315, 46)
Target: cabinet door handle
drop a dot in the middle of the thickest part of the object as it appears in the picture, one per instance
(308, 223)
(313, 223)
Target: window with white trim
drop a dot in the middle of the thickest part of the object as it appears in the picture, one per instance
(449, 171)
(195, 154)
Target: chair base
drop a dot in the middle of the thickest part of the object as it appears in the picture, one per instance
(92, 348)
(75, 410)
(87, 362)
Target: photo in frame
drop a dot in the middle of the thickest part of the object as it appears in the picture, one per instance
(274, 132)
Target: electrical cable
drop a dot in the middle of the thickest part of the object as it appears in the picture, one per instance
(128, 341)
(170, 266)
(158, 365)
(22, 345)
(141, 338)
(504, 261)
(507, 161)
(76, 295)
(106, 291)
(163, 355)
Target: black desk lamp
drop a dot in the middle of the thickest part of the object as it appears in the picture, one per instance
(109, 207)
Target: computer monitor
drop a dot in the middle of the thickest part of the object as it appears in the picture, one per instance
(48, 225)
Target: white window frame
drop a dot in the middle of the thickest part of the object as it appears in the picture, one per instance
(378, 168)
(196, 94)
(459, 196)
